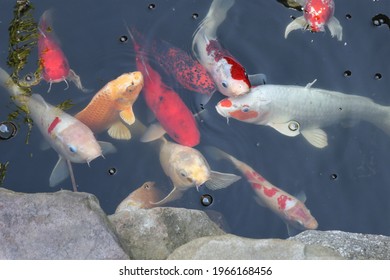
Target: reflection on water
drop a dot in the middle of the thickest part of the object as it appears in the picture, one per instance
(346, 184)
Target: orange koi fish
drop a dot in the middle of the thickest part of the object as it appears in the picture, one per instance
(55, 66)
(113, 105)
(289, 208)
(171, 112)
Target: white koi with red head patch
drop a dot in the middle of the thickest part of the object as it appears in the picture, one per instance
(229, 75)
(292, 210)
(69, 137)
(294, 110)
(317, 15)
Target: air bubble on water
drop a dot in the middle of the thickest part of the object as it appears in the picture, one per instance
(123, 39)
(333, 176)
(258, 144)
(28, 78)
(112, 171)
(195, 16)
(378, 76)
(151, 6)
(347, 73)
(7, 130)
(206, 200)
(380, 19)
(348, 16)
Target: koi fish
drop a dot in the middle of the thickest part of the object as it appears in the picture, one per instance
(187, 167)
(228, 74)
(171, 112)
(316, 15)
(55, 66)
(177, 63)
(112, 106)
(294, 110)
(290, 209)
(70, 138)
(141, 198)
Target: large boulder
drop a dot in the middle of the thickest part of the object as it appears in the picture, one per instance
(232, 247)
(60, 225)
(157, 232)
(349, 245)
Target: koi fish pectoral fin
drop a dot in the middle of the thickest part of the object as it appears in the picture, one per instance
(127, 116)
(72, 76)
(107, 147)
(257, 79)
(220, 180)
(259, 201)
(335, 28)
(153, 132)
(298, 23)
(290, 128)
(173, 195)
(317, 137)
(119, 131)
(60, 172)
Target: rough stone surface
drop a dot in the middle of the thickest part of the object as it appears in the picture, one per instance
(350, 245)
(238, 248)
(61, 225)
(155, 233)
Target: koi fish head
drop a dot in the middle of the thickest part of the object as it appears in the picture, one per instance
(240, 108)
(317, 13)
(78, 144)
(191, 168)
(127, 86)
(300, 217)
(231, 78)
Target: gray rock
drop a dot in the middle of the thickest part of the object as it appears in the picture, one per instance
(233, 247)
(349, 245)
(155, 233)
(61, 225)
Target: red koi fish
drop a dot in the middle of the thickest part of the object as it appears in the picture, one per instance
(228, 74)
(171, 112)
(55, 66)
(317, 14)
(292, 210)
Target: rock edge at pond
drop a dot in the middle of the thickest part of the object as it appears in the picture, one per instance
(67, 225)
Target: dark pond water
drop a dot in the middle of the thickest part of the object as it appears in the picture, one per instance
(347, 184)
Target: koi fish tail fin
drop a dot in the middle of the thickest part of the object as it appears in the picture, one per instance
(45, 23)
(335, 28)
(73, 77)
(215, 16)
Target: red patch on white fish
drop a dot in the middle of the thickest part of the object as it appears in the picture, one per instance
(53, 124)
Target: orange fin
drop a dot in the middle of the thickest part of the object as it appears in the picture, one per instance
(128, 116)
(119, 131)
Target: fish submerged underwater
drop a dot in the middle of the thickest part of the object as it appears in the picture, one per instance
(294, 110)
(70, 138)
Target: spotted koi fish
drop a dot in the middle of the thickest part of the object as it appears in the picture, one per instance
(290, 209)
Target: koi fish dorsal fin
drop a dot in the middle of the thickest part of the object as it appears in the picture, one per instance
(220, 180)
(119, 131)
(127, 116)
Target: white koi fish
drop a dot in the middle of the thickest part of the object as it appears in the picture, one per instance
(228, 74)
(316, 15)
(294, 110)
(70, 138)
(187, 167)
(292, 210)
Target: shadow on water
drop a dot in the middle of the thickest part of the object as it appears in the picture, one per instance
(346, 184)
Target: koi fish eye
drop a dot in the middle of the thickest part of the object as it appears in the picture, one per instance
(72, 149)
(224, 84)
(245, 109)
(183, 173)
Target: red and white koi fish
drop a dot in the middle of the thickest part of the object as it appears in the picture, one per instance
(228, 74)
(171, 112)
(316, 15)
(292, 210)
(70, 138)
(294, 110)
(55, 66)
